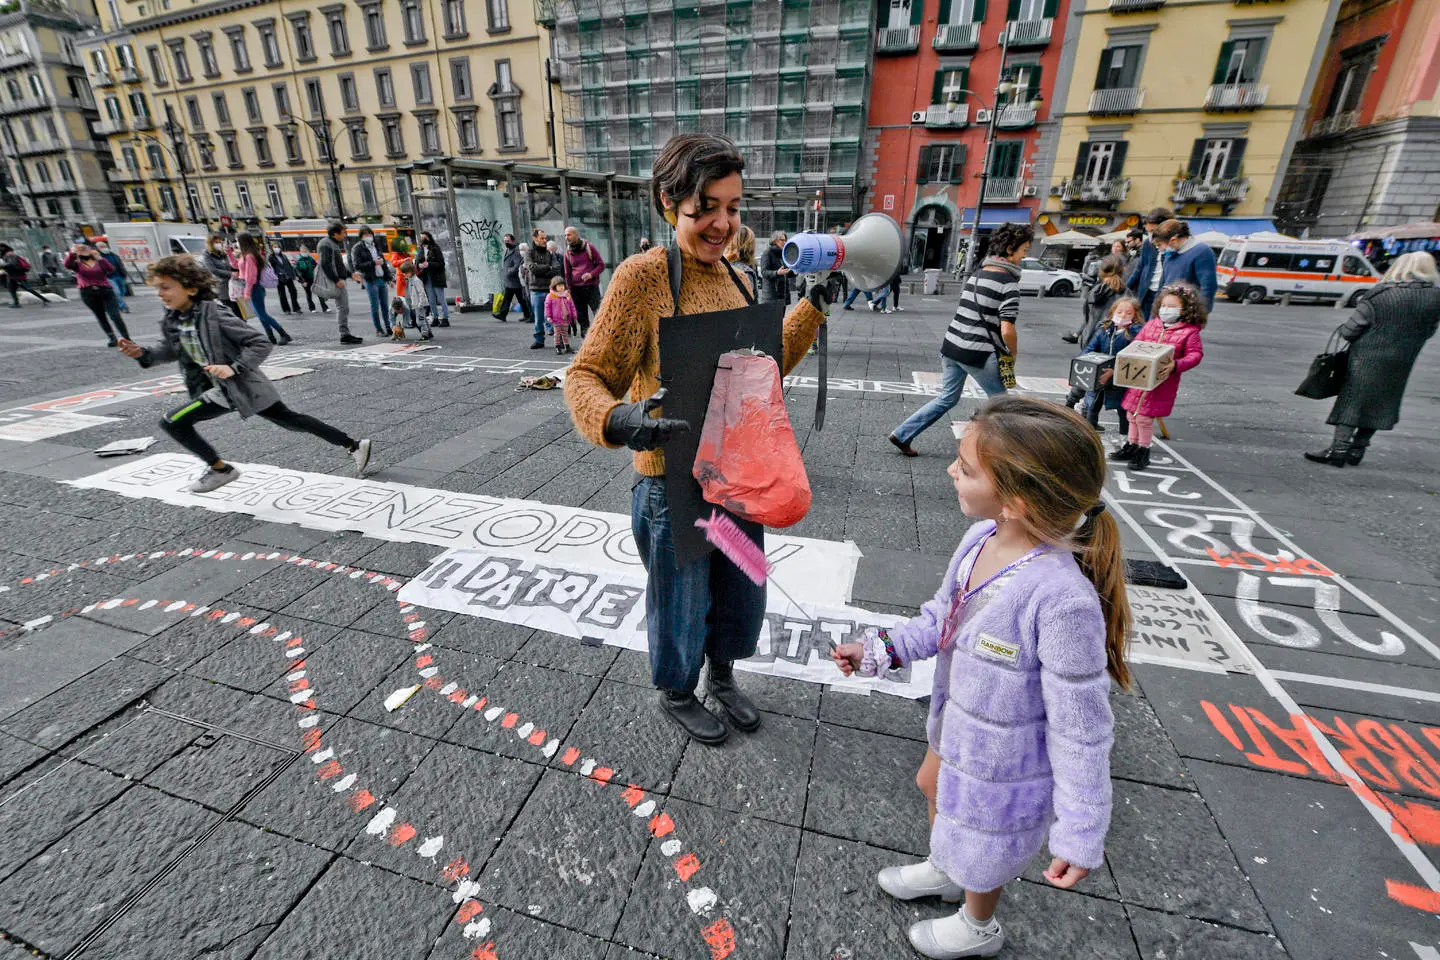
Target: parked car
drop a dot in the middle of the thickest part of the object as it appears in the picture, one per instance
(1256, 270)
(1037, 276)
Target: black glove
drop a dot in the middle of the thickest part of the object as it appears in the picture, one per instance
(819, 295)
(632, 426)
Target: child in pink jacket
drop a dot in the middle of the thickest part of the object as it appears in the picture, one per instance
(1180, 319)
(560, 314)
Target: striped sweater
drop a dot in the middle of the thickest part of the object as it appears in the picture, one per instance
(991, 297)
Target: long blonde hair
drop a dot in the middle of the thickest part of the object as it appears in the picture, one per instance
(1417, 265)
(741, 248)
(1049, 458)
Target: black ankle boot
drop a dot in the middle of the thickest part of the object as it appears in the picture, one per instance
(1336, 455)
(1357, 453)
(1127, 451)
(1141, 460)
(702, 725)
(737, 706)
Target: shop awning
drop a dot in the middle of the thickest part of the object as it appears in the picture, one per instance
(1236, 228)
(994, 216)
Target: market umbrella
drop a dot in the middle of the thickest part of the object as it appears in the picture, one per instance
(1071, 238)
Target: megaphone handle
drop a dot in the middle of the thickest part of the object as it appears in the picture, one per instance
(824, 350)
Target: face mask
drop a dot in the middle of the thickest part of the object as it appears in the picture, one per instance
(1169, 314)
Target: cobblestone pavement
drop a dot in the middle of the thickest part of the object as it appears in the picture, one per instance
(197, 759)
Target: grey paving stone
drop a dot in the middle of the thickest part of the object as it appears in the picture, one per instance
(110, 856)
(1168, 853)
(16, 755)
(1100, 882)
(386, 619)
(344, 669)
(570, 857)
(855, 770)
(615, 951)
(46, 802)
(401, 559)
(631, 666)
(426, 712)
(793, 698)
(761, 774)
(876, 712)
(301, 806)
(80, 705)
(1142, 751)
(30, 670)
(1041, 921)
(133, 743)
(220, 902)
(201, 580)
(899, 576)
(548, 699)
(284, 536)
(199, 699)
(362, 913)
(70, 591)
(187, 642)
(545, 649)
(1164, 936)
(750, 865)
(338, 601)
(279, 586)
(216, 771)
(466, 797)
(252, 662)
(516, 935)
(622, 728)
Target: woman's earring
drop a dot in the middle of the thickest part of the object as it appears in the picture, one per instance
(670, 216)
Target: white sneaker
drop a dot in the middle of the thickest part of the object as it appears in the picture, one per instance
(956, 936)
(919, 880)
(214, 479)
(361, 456)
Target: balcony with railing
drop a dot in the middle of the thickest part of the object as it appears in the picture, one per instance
(110, 126)
(1095, 191)
(954, 37)
(106, 79)
(1338, 123)
(1236, 96)
(947, 116)
(1120, 100)
(25, 105)
(1004, 189)
(896, 40)
(1229, 190)
(1030, 33)
(124, 175)
(1015, 116)
(1131, 6)
(143, 121)
(18, 59)
(131, 75)
(51, 186)
(37, 147)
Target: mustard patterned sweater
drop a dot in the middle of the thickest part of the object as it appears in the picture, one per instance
(622, 350)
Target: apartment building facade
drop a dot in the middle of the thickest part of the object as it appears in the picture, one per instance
(787, 80)
(1371, 155)
(265, 110)
(937, 69)
(52, 171)
(1188, 104)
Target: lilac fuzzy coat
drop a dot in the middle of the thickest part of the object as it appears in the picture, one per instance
(1024, 745)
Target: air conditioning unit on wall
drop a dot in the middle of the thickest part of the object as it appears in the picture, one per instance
(917, 116)
(1032, 191)
(1056, 191)
(982, 116)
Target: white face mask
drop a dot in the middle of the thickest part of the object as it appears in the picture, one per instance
(1169, 313)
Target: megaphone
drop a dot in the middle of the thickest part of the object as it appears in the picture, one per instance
(868, 254)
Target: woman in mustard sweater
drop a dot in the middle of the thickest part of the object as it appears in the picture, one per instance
(696, 186)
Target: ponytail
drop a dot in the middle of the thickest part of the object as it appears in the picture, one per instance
(1103, 563)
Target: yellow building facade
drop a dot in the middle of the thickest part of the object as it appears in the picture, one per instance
(1194, 105)
(279, 109)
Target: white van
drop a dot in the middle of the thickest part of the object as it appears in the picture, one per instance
(1253, 271)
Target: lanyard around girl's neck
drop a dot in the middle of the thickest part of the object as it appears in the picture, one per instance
(963, 596)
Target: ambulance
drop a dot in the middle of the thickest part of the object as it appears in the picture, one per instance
(1253, 270)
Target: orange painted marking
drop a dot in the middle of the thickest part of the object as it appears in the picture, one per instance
(510, 720)
(400, 833)
(602, 774)
(468, 911)
(298, 685)
(293, 642)
(458, 696)
(1415, 820)
(298, 664)
(686, 867)
(359, 800)
(632, 795)
(661, 825)
(130, 603)
(311, 740)
(571, 755)
(536, 738)
(1421, 898)
(307, 705)
(455, 869)
(1221, 725)
(245, 622)
(433, 683)
(329, 769)
(215, 614)
(720, 938)
(486, 951)
(481, 704)
(423, 662)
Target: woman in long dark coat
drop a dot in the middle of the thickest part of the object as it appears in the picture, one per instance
(1386, 333)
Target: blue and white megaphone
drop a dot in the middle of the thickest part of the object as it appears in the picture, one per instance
(868, 253)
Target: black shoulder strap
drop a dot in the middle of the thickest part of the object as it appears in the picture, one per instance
(672, 257)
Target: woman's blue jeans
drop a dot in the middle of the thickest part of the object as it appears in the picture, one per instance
(537, 307)
(705, 608)
(257, 300)
(438, 305)
(953, 374)
(379, 292)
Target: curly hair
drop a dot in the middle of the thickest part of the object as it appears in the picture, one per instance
(1192, 305)
(184, 270)
(690, 162)
(1009, 237)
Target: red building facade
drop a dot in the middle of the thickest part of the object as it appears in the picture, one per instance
(937, 63)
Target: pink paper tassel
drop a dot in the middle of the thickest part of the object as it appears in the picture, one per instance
(739, 549)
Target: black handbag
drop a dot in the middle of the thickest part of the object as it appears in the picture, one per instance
(1327, 371)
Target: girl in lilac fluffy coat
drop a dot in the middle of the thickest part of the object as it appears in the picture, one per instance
(1028, 628)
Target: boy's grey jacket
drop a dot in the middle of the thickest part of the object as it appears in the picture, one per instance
(226, 339)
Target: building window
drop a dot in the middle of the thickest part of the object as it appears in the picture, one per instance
(454, 12)
(420, 82)
(497, 15)
(222, 109)
(269, 43)
(349, 93)
(1349, 89)
(374, 27)
(42, 171)
(207, 154)
(304, 40)
(66, 174)
(949, 86)
(292, 144)
(272, 197)
(157, 65)
(126, 55)
(242, 198)
(384, 87)
(1240, 61)
(469, 132)
(322, 141)
(167, 202)
(332, 190)
(128, 159)
(232, 150)
(217, 198)
(181, 60)
(359, 141)
(506, 99)
(196, 204)
(414, 20)
(192, 110)
(339, 32)
(140, 106)
(460, 86)
(429, 135)
(99, 66)
(1216, 158)
(156, 157)
(238, 51)
(1119, 68)
(112, 109)
(1099, 161)
(369, 203)
(252, 104)
(402, 192)
(394, 143)
(209, 64)
(305, 205)
(282, 101)
(262, 148)
(315, 96)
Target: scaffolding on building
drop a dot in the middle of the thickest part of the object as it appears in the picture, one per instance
(785, 79)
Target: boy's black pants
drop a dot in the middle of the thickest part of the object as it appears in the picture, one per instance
(180, 423)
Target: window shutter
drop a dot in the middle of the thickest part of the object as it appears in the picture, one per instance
(1221, 65)
(1101, 82)
(917, 12)
(979, 16)
(1082, 160)
(882, 14)
(1197, 157)
(1052, 7)
(957, 172)
(936, 92)
(1117, 161)
(1130, 69)
(964, 79)
(923, 169)
(1033, 90)
(1013, 11)
(1237, 156)
(944, 12)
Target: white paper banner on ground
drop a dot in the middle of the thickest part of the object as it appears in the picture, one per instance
(821, 572)
(1172, 627)
(52, 425)
(608, 604)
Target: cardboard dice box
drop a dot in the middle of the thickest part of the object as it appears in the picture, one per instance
(1137, 365)
(1085, 370)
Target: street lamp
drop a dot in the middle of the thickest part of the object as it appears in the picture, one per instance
(177, 153)
(321, 129)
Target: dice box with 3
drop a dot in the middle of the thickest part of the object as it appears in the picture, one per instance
(1085, 370)
(1137, 365)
